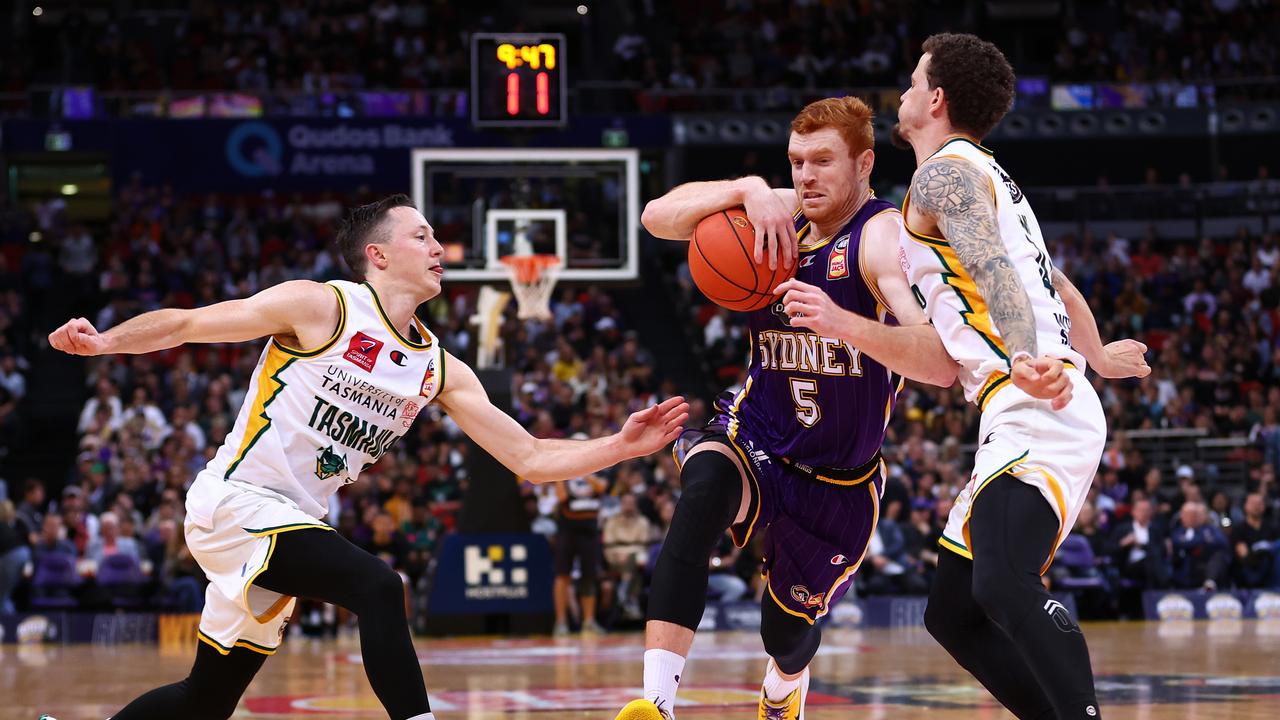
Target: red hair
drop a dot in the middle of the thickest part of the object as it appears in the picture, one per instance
(850, 116)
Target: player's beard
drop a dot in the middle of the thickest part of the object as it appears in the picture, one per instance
(896, 138)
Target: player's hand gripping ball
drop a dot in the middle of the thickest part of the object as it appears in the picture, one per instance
(723, 266)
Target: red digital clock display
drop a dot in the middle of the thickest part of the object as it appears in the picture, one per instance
(518, 79)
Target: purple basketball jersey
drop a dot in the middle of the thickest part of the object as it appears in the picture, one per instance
(813, 400)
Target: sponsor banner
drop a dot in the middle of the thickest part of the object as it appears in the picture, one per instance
(71, 628)
(486, 573)
(1220, 605)
(294, 154)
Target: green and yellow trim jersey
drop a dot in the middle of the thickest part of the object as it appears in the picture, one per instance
(313, 419)
(951, 298)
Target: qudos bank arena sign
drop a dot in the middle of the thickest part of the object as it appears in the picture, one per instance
(258, 149)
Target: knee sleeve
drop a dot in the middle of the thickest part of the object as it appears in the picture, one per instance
(707, 507)
(321, 565)
(790, 641)
(384, 591)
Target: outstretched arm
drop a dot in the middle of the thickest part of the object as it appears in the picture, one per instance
(1119, 359)
(299, 309)
(674, 216)
(540, 460)
(956, 196)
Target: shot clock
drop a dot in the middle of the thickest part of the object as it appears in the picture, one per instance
(518, 80)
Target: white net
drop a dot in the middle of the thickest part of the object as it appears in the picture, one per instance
(533, 278)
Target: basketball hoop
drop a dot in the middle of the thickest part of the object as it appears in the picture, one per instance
(533, 277)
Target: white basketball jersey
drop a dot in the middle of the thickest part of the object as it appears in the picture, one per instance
(951, 299)
(312, 421)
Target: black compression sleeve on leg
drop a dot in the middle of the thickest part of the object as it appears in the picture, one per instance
(321, 564)
(790, 641)
(707, 506)
(963, 629)
(210, 692)
(1012, 531)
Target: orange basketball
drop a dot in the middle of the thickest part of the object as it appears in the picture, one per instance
(722, 263)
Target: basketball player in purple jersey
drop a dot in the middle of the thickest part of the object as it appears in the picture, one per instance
(795, 453)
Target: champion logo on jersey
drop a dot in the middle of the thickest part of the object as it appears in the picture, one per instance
(807, 260)
(839, 560)
(363, 351)
(838, 265)
(398, 357)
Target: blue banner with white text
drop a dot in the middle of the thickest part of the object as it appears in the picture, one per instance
(297, 154)
(488, 573)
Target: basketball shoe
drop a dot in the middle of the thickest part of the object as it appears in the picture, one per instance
(789, 708)
(643, 710)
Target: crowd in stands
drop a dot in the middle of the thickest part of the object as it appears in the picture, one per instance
(661, 45)
(1209, 311)
(149, 423)
(291, 45)
(756, 43)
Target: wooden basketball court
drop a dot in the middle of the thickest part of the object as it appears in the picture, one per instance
(1203, 670)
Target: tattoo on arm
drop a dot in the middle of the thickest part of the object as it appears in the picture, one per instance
(1060, 281)
(954, 193)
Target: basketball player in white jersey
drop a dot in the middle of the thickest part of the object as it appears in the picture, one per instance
(346, 369)
(974, 255)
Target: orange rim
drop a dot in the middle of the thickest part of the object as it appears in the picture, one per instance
(528, 268)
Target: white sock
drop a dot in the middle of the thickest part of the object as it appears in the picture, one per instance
(428, 716)
(662, 670)
(776, 688)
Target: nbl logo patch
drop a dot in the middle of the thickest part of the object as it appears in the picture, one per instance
(429, 379)
(363, 351)
(838, 265)
(801, 594)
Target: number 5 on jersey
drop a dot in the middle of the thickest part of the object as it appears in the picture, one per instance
(804, 393)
